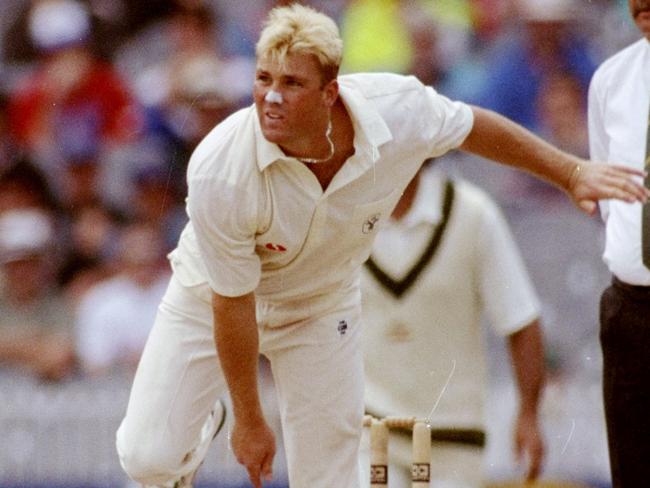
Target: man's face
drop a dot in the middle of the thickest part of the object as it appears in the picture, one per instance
(640, 11)
(305, 101)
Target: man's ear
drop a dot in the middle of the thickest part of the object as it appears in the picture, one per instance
(331, 92)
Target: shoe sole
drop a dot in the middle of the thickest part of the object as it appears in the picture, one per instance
(222, 422)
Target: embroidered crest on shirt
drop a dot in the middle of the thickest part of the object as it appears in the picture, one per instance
(398, 332)
(370, 223)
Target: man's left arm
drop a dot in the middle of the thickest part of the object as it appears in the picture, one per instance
(497, 138)
(527, 356)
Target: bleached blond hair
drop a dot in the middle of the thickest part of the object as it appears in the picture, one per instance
(300, 29)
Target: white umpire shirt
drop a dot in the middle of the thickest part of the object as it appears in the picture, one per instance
(619, 103)
(259, 220)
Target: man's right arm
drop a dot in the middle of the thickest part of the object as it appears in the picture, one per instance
(500, 139)
(237, 343)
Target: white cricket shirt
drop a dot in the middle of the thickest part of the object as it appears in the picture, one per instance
(428, 342)
(259, 219)
(619, 104)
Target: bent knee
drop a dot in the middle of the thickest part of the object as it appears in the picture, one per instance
(148, 462)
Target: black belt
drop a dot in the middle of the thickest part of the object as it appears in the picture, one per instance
(634, 290)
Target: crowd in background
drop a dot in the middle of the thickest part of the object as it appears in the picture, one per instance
(103, 101)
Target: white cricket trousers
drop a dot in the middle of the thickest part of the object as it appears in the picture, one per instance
(317, 368)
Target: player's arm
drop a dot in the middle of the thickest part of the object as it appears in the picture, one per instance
(498, 138)
(236, 338)
(527, 356)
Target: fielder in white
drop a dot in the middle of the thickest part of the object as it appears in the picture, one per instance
(444, 261)
(285, 198)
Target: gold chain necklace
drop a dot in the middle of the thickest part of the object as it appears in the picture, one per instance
(328, 134)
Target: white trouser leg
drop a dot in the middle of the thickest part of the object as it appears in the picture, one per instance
(164, 434)
(320, 397)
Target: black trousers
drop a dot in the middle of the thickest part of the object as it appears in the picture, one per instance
(625, 342)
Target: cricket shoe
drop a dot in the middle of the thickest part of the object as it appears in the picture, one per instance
(212, 428)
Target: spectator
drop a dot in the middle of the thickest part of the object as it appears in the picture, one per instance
(547, 44)
(375, 37)
(563, 113)
(34, 316)
(7, 146)
(90, 249)
(111, 22)
(115, 316)
(440, 51)
(201, 97)
(23, 185)
(192, 73)
(157, 200)
(74, 106)
(187, 86)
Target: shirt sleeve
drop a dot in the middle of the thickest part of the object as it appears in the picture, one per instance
(507, 294)
(598, 142)
(450, 122)
(224, 216)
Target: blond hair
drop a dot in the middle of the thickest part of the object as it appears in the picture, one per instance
(300, 29)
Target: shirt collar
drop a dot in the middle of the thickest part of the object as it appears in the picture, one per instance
(267, 152)
(371, 131)
(365, 116)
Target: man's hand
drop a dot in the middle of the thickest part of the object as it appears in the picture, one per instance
(254, 448)
(590, 182)
(237, 341)
(528, 444)
(495, 137)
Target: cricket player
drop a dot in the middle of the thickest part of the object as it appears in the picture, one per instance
(284, 200)
(444, 261)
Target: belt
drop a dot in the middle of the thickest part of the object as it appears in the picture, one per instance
(634, 290)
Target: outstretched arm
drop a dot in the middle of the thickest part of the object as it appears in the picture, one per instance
(527, 356)
(497, 138)
(236, 338)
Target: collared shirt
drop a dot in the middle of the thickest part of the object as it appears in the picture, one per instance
(619, 103)
(476, 272)
(259, 220)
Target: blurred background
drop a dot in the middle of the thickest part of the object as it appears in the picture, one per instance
(101, 104)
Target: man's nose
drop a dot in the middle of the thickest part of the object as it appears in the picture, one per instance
(273, 96)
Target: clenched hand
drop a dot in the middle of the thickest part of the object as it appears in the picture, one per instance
(254, 448)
